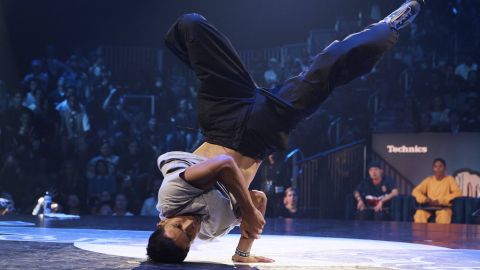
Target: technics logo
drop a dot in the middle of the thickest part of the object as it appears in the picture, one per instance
(407, 149)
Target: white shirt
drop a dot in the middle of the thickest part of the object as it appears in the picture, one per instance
(216, 206)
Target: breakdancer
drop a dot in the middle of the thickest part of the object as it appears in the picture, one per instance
(205, 194)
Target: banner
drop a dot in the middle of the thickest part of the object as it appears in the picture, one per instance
(412, 154)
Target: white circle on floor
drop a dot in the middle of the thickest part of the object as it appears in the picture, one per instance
(290, 251)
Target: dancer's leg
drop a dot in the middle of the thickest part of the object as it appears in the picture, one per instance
(338, 64)
(343, 61)
(211, 56)
(227, 90)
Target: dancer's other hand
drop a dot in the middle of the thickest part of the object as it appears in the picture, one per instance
(252, 224)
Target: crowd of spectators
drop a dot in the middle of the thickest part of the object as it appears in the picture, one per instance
(438, 88)
(70, 130)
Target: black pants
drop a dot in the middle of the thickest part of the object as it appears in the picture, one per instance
(369, 214)
(235, 113)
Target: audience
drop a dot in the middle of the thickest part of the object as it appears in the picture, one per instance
(101, 180)
(121, 206)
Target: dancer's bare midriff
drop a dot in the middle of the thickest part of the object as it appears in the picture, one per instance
(248, 166)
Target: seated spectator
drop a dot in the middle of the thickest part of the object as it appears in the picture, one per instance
(34, 94)
(73, 205)
(121, 206)
(439, 115)
(105, 209)
(289, 208)
(149, 207)
(374, 193)
(11, 116)
(101, 180)
(133, 166)
(436, 193)
(107, 155)
(465, 67)
(60, 93)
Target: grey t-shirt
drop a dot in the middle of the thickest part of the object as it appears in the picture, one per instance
(176, 197)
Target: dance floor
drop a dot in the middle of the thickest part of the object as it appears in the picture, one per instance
(28, 242)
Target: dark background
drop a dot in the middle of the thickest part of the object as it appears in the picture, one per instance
(32, 25)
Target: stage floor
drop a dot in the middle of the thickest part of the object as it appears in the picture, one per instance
(28, 242)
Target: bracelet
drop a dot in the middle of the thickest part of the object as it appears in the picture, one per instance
(242, 253)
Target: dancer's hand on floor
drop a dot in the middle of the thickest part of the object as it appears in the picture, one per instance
(252, 224)
(251, 259)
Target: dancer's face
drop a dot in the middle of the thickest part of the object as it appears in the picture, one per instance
(182, 229)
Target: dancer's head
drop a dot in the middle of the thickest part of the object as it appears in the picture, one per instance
(171, 241)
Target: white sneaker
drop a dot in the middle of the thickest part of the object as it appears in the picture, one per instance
(405, 14)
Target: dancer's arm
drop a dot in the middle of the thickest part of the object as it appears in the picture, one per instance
(224, 169)
(245, 244)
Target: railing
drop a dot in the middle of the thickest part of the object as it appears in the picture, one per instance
(251, 58)
(125, 62)
(145, 103)
(334, 131)
(328, 177)
(295, 50)
(373, 103)
(403, 184)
